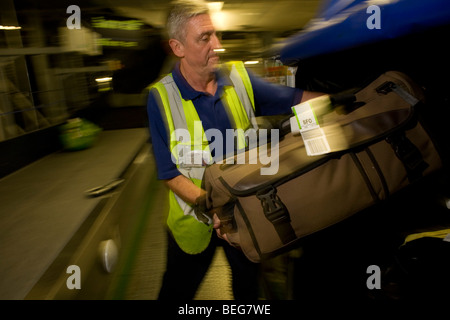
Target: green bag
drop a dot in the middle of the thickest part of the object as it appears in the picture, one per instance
(78, 134)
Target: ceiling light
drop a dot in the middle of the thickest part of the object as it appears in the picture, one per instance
(9, 28)
(105, 79)
(215, 6)
(251, 62)
(219, 50)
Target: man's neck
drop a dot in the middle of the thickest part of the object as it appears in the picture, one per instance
(203, 82)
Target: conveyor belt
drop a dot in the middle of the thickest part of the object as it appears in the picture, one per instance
(43, 205)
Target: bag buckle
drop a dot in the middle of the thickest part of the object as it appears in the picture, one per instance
(408, 154)
(386, 87)
(274, 209)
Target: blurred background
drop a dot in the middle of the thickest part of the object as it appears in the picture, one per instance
(50, 72)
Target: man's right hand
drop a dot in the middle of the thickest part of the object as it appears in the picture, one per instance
(217, 225)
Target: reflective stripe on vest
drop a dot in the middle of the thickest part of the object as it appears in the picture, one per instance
(188, 140)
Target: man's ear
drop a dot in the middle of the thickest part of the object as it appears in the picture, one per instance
(177, 47)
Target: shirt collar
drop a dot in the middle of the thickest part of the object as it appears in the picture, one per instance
(189, 93)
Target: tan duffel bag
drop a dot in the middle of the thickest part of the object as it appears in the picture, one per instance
(387, 150)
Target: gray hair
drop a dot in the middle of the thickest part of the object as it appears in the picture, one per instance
(179, 14)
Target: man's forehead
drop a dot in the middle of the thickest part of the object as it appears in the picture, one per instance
(201, 24)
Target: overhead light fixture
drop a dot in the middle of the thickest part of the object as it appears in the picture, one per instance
(215, 6)
(10, 28)
(251, 62)
(220, 18)
(105, 79)
(219, 50)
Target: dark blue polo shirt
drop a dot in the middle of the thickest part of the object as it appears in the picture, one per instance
(270, 99)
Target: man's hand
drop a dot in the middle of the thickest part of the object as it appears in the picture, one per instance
(217, 225)
(200, 209)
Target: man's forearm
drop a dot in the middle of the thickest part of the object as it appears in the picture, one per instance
(184, 188)
(307, 95)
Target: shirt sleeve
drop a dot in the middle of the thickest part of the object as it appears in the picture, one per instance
(271, 98)
(166, 168)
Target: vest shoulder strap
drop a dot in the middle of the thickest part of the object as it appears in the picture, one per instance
(241, 77)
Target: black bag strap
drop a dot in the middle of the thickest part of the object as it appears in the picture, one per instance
(404, 149)
(277, 213)
(408, 154)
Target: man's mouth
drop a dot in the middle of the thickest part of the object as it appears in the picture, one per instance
(214, 58)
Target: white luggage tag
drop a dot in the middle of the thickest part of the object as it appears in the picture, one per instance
(315, 140)
(318, 139)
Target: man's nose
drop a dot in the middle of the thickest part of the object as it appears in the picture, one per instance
(216, 42)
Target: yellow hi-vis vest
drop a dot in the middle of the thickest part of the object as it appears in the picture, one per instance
(190, 148)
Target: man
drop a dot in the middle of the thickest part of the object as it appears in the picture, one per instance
(201, 89)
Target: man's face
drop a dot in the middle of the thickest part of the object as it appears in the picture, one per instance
(200, 42)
